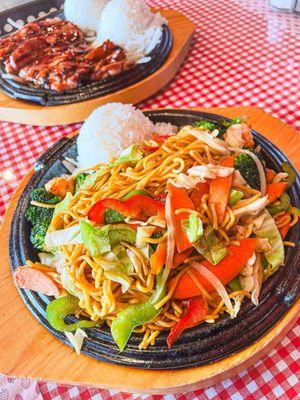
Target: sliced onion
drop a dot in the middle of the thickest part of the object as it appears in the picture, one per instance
(262, 175)
(253, 208)
(207, 138)
(217, 284)
(170, 246)
(280, 177)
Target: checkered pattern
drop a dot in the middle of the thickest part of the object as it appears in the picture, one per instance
(275, 377)
(242, 54)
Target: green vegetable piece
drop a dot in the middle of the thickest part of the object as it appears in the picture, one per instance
(289, 169)
(37, 236)
(60, 308)
(121, 254)
(284, 205)
(63, 205)
(269, 230)
(135, 315)
(100, 240)
(237, 120)
(135, 192)
(248, 169)
(91, 178)
(131, 155)
(210, 246)
(235, 196)
(210, 126)
(235, 284)
(121, 233)
(40, 217)
(295, 211)
(264, 262)
(95, 240)
(40, 195)
(79, 180)
(193, 227)
(112, 216)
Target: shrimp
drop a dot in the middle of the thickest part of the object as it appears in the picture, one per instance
(239, 135)
(60, 186)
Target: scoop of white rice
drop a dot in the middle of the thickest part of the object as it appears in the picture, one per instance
(109, 130)
(84, 13)
(131, 25)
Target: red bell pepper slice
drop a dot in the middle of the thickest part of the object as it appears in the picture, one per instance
(137, 207)
(225, 270)
(180, 199)
(150, 149)
(160, 138)
(196, 310)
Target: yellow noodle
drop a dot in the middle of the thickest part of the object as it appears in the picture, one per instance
(102, 298)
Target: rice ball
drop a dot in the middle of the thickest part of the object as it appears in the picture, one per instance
(109, 130)
(84, 13)
(131, 25)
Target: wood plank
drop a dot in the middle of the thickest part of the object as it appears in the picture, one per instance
(33, 352)
(182, 29)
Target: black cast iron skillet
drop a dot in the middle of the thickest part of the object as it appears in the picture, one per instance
(201, 345)
(29, 93)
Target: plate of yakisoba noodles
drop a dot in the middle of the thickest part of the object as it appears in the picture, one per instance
(163, 239)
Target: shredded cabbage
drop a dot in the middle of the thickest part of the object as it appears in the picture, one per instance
(269, 230)
(62, 237)
(76, 339)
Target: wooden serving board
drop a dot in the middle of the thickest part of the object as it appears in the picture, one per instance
(29, 350)
(182, 29)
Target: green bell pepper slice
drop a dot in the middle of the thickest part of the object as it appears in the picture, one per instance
(135, 192)
(284, 205)
(289, 169)
(135, 315)
(60, 308)
(235, 196)
(235, 284)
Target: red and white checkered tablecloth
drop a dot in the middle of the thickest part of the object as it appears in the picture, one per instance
(242, 54)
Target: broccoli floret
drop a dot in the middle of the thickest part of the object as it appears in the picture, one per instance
(40, 217)
(248, 169)
(79, 180)
(37, 236)
(40, 195)
(210, 126)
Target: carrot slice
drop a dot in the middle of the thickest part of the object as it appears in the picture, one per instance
(219, 190)
(284, 230)
(275, 190)
(180, 199)
(270, 175)
(198, 192)
(158, 259)
(179, 258)
(225, 270)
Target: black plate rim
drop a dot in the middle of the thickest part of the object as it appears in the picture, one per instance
(184, 357)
